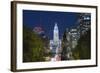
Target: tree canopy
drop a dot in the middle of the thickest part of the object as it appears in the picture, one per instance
(83, 49)
(33, 50)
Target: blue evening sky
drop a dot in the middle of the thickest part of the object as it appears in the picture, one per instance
(47, 20)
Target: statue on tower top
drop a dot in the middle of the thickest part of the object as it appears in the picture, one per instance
(56, 26)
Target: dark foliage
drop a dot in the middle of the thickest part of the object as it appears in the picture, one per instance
(33, 47)
(83, 49)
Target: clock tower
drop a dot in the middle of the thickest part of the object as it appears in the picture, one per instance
(56, 35)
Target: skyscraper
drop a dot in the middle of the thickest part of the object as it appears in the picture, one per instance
(56, 34)
(55, 44)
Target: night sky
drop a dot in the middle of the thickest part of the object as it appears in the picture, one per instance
(47, 20)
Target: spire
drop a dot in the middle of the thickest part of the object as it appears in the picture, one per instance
(55, 23)
(56, 33)
(56, 26)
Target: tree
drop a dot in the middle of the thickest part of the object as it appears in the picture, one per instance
(83, 49)
(64, 47)
(33, 46)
